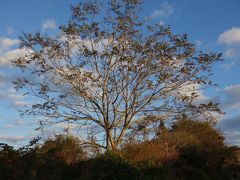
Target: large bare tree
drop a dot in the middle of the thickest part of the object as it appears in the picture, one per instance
(110, 71)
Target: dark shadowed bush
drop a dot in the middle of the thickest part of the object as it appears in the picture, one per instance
(107, 166)
(65, 148)
(8, 158)
(182, 153)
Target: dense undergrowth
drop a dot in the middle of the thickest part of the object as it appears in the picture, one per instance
(190, 150)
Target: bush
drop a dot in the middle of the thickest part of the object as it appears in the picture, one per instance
(159, 153)
(190, 150)
(64, 148)
(107, 166)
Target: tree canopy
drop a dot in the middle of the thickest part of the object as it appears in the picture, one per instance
(109, 71)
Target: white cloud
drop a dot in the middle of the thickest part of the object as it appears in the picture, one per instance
(230, 53)
(17, 123)
(2, 79)
(233, 91)
(232, 94)
(188, 89)
(21, 122)
(12, 139)
(161, 22)
(166, 9)
(20, 103)
(5, 59)
(48, 24)
(8, 126)
(10, 95)
(230, 126)
(65, 125)
(198, 42)
(10, 31)
(7, 43)
(231, 36)
(233, 137)
(228, 66)
(14, 99)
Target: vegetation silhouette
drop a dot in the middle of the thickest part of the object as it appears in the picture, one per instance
(189, 150)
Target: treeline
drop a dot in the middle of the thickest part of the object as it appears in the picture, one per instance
(189, 150)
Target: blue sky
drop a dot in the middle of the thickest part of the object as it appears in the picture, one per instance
(213, 25)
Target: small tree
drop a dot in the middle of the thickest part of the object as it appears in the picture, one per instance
(107, 70)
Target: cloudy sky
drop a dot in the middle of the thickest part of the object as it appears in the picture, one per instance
(213, 25)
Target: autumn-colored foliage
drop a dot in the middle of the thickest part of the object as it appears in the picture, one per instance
(108, 70)
(188, 150)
